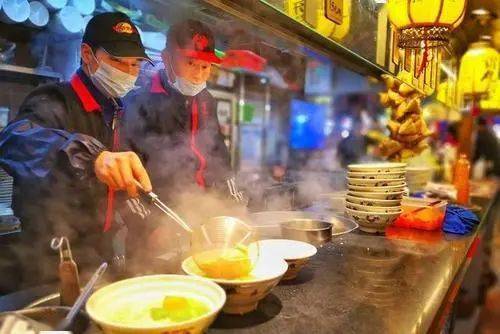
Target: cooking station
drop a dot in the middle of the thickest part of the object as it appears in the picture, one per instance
(357, 283)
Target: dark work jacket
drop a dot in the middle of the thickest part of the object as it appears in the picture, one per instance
(178, 138)
(50, 150)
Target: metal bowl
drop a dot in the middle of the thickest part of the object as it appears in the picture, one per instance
(50, 316)
(313, 231)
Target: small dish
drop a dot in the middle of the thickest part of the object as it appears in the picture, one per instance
(373, 202)
(375, 176)
(390, 189)
(295, 253)
(372, 222)
(378, 195)
(378, 167)
(371, 208)
(376, 182)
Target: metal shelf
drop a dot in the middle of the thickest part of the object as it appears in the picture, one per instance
(16, 71)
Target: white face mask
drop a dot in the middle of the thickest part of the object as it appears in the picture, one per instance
(111, 81)
(184, 86)
(188, 88)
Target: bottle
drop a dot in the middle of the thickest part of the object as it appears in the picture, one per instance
(461, 179)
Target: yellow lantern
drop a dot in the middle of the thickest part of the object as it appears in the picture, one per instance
(493, 100)
(478, 70)
(425, 22)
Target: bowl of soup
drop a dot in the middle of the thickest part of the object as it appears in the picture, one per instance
(245, 292)
(155, 304)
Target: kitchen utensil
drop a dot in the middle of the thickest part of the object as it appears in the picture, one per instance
(67, 21)
(373, 202)
(425, 207)
(220, 246)
(372, 208)
(69, 288)
(85, 7)
(151, 290)
(316, 232)
(40, 319)
(68, 320)
(375, 176)
(376, 182)
(14, 11)
(244, 294)
(372, 222)
(39, 15)
(378, 167)
(154, 199)
(377, 189)
(55, 5)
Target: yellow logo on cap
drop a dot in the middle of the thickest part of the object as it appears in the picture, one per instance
(123, 28)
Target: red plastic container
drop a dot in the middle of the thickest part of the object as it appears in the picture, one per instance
(430, 218)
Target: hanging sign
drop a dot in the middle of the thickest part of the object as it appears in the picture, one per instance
(334, 10)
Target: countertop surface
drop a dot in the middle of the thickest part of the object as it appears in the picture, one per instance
(357, 283)
(361, 283)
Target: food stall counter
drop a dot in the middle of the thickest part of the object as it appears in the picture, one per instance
(357, 283)
(361, 283)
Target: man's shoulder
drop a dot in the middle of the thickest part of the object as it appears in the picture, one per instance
(52, 94)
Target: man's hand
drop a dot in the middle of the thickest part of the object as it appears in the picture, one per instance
(121, 171)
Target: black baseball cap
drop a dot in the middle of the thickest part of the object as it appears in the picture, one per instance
(192, 39)
(115, 33)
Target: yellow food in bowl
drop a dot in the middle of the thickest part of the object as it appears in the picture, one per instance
(173, 309)
(227, 263)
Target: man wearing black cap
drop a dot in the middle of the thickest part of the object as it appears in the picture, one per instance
(173, 124)
(63, 152)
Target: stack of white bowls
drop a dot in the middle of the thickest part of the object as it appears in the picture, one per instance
(418, 177)
(374, 194)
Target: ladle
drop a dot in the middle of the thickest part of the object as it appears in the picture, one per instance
(68, 320)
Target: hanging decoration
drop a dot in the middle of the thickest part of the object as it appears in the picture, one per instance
(479, 72)
(425, 24)
(407, 126)
(425, 21)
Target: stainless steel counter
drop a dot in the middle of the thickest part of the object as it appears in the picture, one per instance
(361, 283)
(358, 283)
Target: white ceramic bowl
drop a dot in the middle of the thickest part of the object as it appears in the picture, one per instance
(374, 176)
(390, 189)
(378, 167)
(243, 295)
(377, 195)
(372, 208)
(373, 202)
(376, 182)
(372, 222)
(295, 253)
(153, 289)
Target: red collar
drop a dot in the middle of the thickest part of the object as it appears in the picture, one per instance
(157, 85)
(88, 101)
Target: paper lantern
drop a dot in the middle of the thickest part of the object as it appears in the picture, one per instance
(492, 102)
(478, 70)
(425, 23)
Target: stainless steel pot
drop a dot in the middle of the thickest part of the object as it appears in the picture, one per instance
(316, 232)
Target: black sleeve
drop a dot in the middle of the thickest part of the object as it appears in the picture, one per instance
(38, 141)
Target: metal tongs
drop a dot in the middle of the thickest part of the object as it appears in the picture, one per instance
(154, 199)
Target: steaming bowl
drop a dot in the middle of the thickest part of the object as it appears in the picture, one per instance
(244, 294)
(137, 289)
